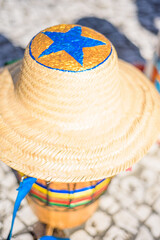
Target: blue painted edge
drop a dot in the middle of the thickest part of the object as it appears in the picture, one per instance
(72, 191)
(53, 238)
(62, 70)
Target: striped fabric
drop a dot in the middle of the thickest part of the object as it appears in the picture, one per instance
(66, 197)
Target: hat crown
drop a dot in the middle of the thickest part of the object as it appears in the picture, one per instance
(70, 77)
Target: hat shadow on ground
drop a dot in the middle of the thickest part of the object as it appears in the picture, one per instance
(147, 12)
(9, 52)
(125, 48)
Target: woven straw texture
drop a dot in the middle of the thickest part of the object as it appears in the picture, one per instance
(76, 126)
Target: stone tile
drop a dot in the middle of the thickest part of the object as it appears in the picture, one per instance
(156, 206)
(116, 234)
(144, 234)
(124, 219)
(154, 224)
(142, 211)
(18, 226)
(108, 203)
(25, 236)
(1, 226)
(9, 181)
(24, 203)
(132, 188)
(80, 235)
(114, 187)
(6, 208)
(151, 162)
(98, 223)
(131, 185)
(125, 199)
(5, 168)
(149, 177)
(2, 174)
(27, 216)
(152, 194)
(12, 194)
(138, 195)
(3, 193)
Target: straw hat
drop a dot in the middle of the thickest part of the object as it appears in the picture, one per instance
(77, 112)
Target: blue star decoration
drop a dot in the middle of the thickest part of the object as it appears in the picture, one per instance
(72, 42)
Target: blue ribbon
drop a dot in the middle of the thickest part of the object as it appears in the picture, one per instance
(24, 188)
(53, 238)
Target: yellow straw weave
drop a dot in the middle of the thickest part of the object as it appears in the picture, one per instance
(73, 126)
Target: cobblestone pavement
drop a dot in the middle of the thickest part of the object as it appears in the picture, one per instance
(130, 209)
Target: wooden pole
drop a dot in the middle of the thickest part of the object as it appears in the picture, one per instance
(49, 230)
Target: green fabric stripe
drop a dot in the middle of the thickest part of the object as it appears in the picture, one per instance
(66, 205)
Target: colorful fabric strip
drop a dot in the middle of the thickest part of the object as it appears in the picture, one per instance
(33, 192)
(69, 200)
(67, 195)
(72, 191)
(66, 198)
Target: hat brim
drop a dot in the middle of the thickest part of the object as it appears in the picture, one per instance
(31, 146)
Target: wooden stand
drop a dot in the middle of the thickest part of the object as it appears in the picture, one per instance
(49, 230)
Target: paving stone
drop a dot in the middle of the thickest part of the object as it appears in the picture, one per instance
(144, 234)
(108, 203)
(98, 223)
(6, 208)
(12, 194)
(27, 216)
(156, 206)
(152, 194)
(24, 203)
(2, 173)
(5, 168)
(79, 235)
(114, 187)
(18, 226)
(25, 236)
(151, 162)
(9, 181)
(1, 225)
(125, 200)
(3, 193)
(133, 186)
(125, 220)
(116, 234)
(149, 177)
(154, 224)
(142, 212)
